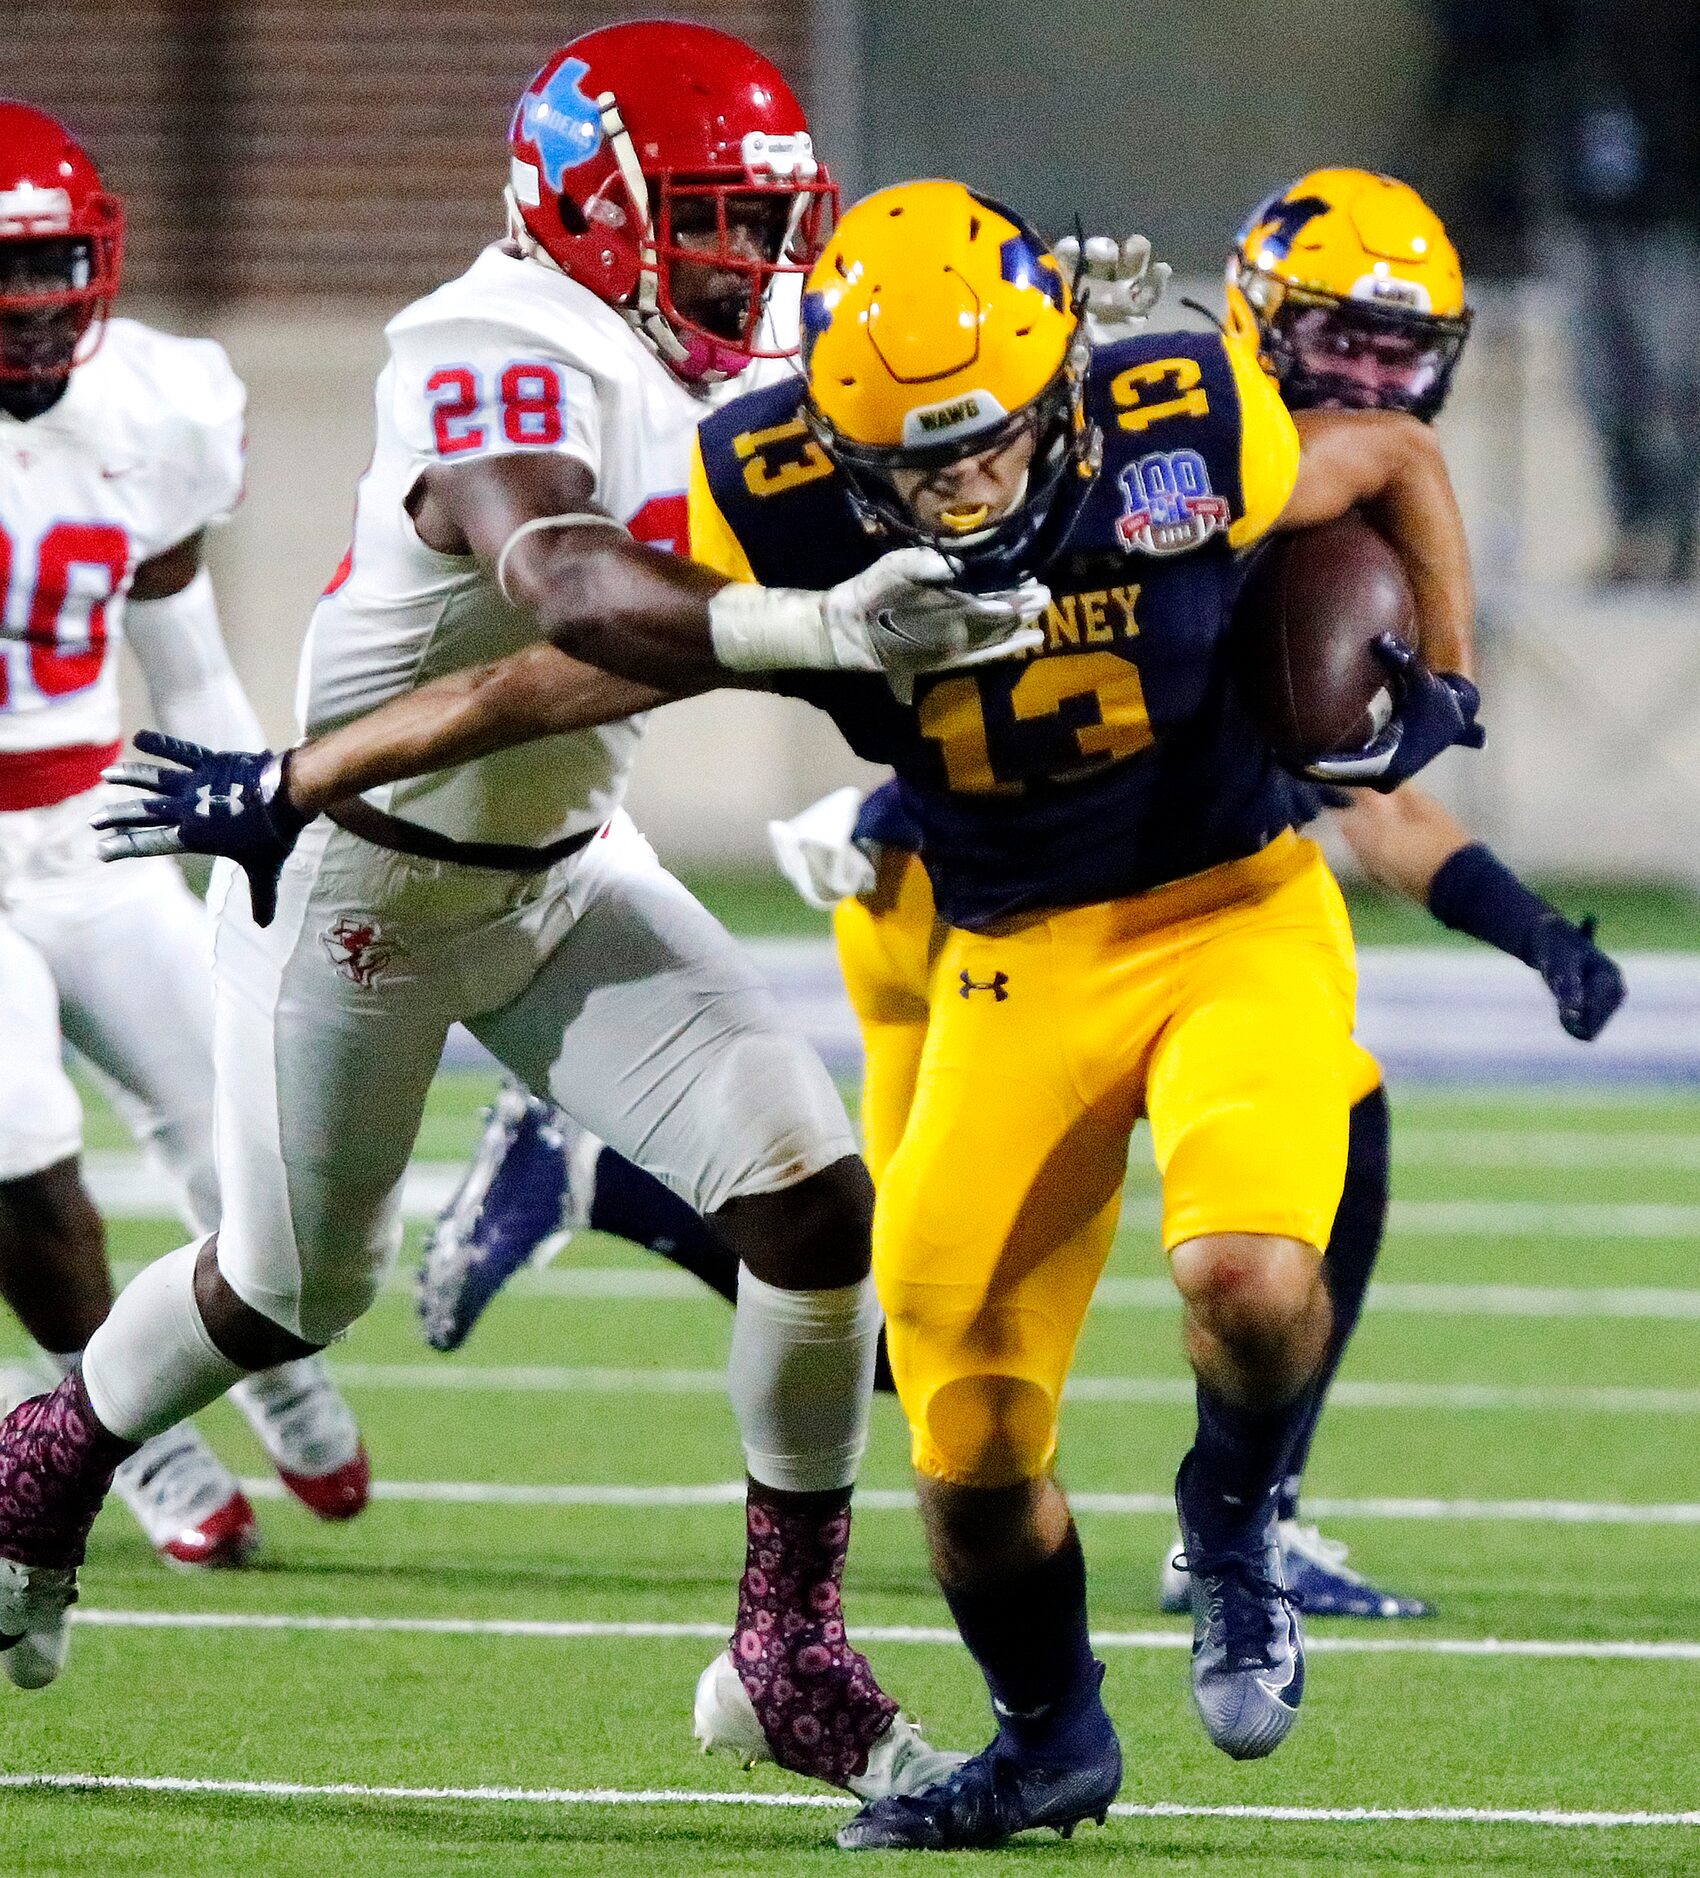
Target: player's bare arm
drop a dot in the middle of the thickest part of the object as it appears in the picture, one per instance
(1389, 464)
(1402, 840)
(540, 692)
(649, 615)
(169, 573)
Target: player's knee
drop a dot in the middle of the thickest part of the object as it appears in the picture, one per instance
(813, 1235)
(986, 1431)
(1248, 1288)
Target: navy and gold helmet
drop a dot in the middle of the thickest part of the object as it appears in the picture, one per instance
(937, 325)
(1349, 287)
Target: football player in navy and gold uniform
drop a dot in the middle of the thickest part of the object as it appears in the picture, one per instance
(1132, 923)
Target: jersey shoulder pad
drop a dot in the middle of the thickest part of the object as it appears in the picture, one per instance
(188, 411)
(777, 491)
(476, 370)
(1187, 421)
(502, 303)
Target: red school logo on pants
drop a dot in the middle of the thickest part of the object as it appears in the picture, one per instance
(357, 948)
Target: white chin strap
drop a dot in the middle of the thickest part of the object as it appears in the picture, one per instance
(646, 314)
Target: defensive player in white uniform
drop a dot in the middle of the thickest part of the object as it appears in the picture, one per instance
(661, 180)
(119, 446)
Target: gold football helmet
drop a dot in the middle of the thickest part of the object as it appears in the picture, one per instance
(1347, 284)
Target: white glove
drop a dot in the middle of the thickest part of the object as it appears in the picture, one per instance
(899, 616)
(1120, 287)
(817, 853)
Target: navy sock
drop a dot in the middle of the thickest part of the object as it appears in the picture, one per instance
(1474, 892)
(1352, 1251)
(1028, 1634)
(634, 1205)
(1237, 1464)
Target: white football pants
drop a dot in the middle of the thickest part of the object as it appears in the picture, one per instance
(601, 984)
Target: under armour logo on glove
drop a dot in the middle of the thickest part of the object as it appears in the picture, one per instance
(201, 801)
(997, 985)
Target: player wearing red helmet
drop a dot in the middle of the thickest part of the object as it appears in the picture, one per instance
(535, 421)
(119, 446)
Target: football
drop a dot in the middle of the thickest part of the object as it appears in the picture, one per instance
(1304, 625)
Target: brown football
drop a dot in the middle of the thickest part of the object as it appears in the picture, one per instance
(1304, 623)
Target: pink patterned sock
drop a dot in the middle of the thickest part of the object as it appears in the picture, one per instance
(56, 1463)
(814, 1695)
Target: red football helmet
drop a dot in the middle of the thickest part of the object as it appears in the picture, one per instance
(50, 191)
(625, 125)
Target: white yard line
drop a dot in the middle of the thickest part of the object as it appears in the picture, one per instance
(676, 1796)
(901, 1499)
(1410, 1643)
(548, 1379)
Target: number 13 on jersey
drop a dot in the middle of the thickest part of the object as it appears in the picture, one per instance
(953, 716)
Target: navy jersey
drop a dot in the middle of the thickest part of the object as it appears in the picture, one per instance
(1117, 756)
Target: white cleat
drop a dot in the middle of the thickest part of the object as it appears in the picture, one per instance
(35, 1605)
(310, 1433)
(187, 1501)
(725, 1722)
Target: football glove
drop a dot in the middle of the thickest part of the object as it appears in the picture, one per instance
(1585, 982)
(1433, 711)
(201, 801)
(1119, 286)
(906, 617)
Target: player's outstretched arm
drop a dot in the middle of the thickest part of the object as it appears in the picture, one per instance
(540, 692)
(660, 619)
(251, 805)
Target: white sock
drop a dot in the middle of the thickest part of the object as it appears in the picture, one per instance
(802, 1377)
(61, 1362)
(152, 1363)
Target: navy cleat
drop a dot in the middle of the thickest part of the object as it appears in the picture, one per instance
(1317, 1575)
(516, 1196)
(1326, 1586)
(990, 1798)
(1248, 1666)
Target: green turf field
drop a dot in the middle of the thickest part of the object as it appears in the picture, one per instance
(1518, 1437)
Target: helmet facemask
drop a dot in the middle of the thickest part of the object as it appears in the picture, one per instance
(990, 546)
(55, 292)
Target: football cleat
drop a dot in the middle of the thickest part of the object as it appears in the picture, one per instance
(41, 1648)
(1326, 1586)
(56, 1463)
(187, 1501)
(310, 1433)
(35, 1621)
(1248, 1666)
(1317, 1575)
(516, 1197)
(901, 1761)
(988, 1800)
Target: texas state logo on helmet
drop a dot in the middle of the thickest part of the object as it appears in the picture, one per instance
(935, 326)
(61, 244)
(626, 127)
(1349, 286)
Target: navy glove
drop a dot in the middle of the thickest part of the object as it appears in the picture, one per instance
(1584, 981)
(1434, 710)
(230, 802)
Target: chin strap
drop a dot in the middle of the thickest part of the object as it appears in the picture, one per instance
(646, 315)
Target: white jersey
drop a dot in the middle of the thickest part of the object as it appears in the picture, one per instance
(512, 356)
(143, 451)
